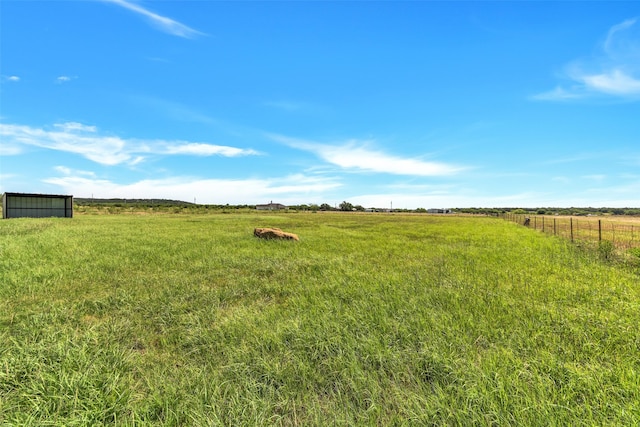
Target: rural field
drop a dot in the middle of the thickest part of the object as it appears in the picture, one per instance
(370, 319)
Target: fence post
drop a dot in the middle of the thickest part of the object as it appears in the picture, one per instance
(571, 227)
(599, 230)
(543, 224)
(554, 227)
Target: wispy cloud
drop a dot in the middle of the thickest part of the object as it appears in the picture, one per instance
(614, 71)
(104, 149)
(64, 79)
(560, 94)
(287, 189)
(356, 155)
(200, 149)
(11, 78)
(75, 127)
(163, 23)
(69, 137)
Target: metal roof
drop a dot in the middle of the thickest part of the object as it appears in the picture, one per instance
(37, 195)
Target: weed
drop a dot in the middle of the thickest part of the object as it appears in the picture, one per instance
(606, 250)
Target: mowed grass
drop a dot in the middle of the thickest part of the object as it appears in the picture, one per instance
(368, 320)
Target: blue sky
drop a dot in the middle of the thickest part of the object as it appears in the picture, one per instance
(415, 104)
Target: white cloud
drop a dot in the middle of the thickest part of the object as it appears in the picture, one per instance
(9, 149)
(559, 94)
(64, 79)
(63, 170)
(356, 155)
(288, 190)
(74, 126)
(12, 78)
(296, 189)
(614, 71)
(163, 23)
(613, 82)
(199, 149)
(108, 150)
(136, 160)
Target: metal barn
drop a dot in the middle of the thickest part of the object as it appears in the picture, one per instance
(17, 205)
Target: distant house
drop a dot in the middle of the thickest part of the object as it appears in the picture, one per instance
(439, 211)
(17, 205)
(271, 207)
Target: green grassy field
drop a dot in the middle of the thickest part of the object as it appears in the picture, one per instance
(368, 320)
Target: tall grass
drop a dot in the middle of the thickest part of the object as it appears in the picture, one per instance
(369, 319)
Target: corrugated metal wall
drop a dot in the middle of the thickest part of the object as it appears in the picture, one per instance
(33, 206)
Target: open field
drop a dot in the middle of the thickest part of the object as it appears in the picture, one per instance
(368, 320)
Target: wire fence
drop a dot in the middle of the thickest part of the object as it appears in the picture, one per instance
(622, 234)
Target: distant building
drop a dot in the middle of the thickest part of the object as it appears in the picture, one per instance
(439, 211)
(271, 207)
(18, 205)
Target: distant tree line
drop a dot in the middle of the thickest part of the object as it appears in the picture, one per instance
(146, 203)
(575, 211)
(152, 203)
(346, 206)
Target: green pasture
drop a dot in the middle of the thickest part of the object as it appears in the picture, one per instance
(371, 319)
